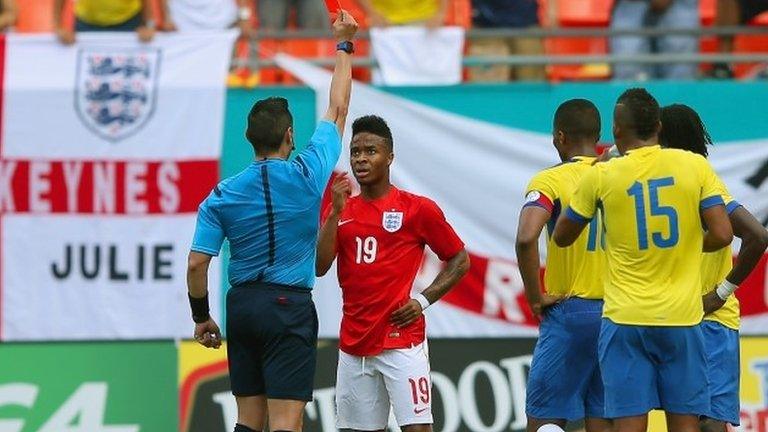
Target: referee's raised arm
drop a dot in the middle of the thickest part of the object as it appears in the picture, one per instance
(344, 29)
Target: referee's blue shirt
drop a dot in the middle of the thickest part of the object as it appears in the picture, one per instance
(270, 214)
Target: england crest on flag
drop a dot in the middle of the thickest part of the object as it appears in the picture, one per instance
(392, 221)
(116, 89)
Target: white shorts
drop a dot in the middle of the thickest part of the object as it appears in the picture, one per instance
(367, 386)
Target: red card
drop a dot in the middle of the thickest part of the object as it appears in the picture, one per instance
(333, 6)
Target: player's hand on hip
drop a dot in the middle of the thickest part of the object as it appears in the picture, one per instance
(407, 314)
(345, 26)
(208, 334)
(546, 302)
(341, 189)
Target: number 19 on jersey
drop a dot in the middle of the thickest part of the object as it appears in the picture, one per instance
(366, 250)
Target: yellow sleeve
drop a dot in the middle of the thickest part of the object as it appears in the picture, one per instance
(584, 201)
(730, 203)
(712, 188)
(543, 183)
(542, 191)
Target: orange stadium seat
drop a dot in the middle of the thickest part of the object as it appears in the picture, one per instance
(707, 12)
(306, 48)
(707, 44)
(37, 16)
(584, 13)
(459, 13)
(760, 20)
(576, 46)
(745, 44)
(578, 13)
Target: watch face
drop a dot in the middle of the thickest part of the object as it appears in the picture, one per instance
(346, 46)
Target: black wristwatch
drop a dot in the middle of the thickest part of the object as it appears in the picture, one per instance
(346, 46)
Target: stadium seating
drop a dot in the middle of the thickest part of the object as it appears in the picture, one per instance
(583, 13)
(574, 14)
(745, 44)
(37, 16)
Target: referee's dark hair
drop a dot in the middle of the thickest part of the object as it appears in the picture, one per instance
(268, 121)
(682, 128)
(641, 113)
(578, 119)
(375, 125)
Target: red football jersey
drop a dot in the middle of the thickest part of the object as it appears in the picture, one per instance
(380, 247)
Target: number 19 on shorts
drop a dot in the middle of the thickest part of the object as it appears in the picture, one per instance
(419, 390)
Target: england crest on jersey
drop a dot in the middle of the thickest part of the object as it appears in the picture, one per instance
(392, 221)
(116, 89)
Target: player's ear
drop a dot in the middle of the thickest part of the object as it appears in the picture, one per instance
(288, 139)
(390, 158)
(560, 138)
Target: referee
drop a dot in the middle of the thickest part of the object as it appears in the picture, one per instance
(269, 212)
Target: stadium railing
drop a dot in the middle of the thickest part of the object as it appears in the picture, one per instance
(318, 48)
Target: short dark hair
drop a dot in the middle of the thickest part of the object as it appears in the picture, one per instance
(375, 125)
(682, 128)
(642, 112)
(579, 119)
(268, 121)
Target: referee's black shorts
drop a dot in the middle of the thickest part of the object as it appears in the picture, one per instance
(271, 341)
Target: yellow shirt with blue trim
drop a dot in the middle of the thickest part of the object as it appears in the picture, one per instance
(576, 270)
(651, 200)
(715, 266)
(406, 11)
(107, 12)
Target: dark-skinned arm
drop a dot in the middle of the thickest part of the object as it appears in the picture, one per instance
(326, 240)
(754, 241)
(454, 270)
(567, 229)
(719, 232)
(529, 227)
(326, 244)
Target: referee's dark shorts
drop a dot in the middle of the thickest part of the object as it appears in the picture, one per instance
(271, 341)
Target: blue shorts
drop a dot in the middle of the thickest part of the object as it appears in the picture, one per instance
(646, 367)
(722, 345)
(564, 382)
(271, 341)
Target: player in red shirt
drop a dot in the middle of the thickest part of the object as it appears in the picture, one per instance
(379, 237)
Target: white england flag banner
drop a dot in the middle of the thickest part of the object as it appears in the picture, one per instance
(477, 172)
(107, 147)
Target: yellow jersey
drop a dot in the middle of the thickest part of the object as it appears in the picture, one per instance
(715, 266)
(651, 201)
(106, 12)
(576, 270)
(406, 11)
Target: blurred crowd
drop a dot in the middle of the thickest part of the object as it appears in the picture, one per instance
(193, 15)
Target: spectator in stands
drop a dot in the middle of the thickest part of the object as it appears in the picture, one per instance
(8, 13)
(382, 13)
(661, 14)
(733, 13)
(106, 15)
(506, 14)
(274, 14)
(194, 15)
